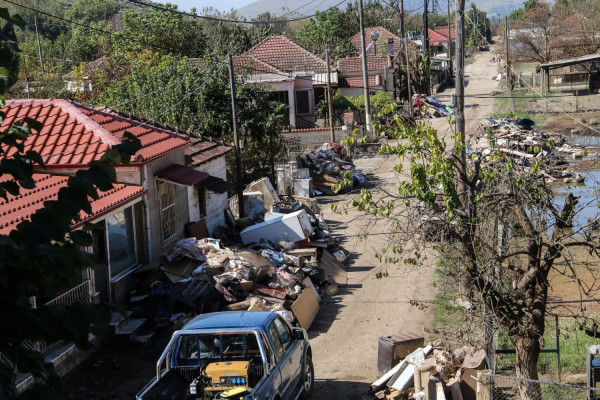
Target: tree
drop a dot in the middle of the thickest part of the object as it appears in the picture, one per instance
(331, 29)
(508, 274)
(535, 34)
(88, 11)
(42, 255)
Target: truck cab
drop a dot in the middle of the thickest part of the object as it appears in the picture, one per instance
(234, 355)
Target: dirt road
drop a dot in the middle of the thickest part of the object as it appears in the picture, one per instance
(346, 331)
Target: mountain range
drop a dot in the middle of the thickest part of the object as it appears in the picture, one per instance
(306, 7)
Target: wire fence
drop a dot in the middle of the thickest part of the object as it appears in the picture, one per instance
(510, 388)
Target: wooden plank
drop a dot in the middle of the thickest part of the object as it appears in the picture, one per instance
(305, 308)
(334, 269)
(308, 285)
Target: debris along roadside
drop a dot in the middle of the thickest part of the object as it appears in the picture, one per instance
(428, 372)
(318, 172)
(283, 260)
(518, 140)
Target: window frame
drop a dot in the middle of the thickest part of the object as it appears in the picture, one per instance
(308, 104)
(167, 211)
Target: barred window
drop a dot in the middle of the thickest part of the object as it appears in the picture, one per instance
(166, 196)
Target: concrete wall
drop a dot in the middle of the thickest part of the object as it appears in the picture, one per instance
(387, 84)
(314, 139)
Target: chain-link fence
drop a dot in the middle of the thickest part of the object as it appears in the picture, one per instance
(510, 388)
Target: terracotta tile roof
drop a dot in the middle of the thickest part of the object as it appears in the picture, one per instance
(203, 150)
(181, 174)
(444, 31)
(384, 35)
(436, 38)
(354, 64)
(285, 55)
(247, 64)
(356, 82)
(19, 208)
(73, 135)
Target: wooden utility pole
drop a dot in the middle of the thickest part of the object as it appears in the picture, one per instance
(402, 33)
(426, 28)
(460, 74)
(236, 139)
(410, 109)
(37, 37)
(449, 40)
(509, 82)
(329, 102)
(365, 71)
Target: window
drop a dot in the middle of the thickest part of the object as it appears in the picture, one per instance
(282, 337)
(202, 202)
(121, 241)
(302, 102)
(166, 196)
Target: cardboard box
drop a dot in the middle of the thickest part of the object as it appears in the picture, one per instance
(289, 228)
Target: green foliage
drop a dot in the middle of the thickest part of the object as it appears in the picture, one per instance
(480, 25)
(9, 58)
(329, 28)
(88, 11)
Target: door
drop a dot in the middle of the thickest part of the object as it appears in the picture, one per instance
(289, 354)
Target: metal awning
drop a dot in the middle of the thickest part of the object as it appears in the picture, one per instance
(187, 176)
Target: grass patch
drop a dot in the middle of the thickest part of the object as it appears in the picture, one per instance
(572, 348)
(469, 61)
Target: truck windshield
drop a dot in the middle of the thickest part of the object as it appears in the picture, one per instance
(216, 346)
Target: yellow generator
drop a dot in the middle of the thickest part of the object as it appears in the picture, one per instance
(226, 375)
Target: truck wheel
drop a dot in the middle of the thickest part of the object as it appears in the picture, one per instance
(308, 378)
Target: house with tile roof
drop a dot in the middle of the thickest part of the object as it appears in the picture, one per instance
(138, 220)
(380, 73)
(387, 43)
(438, 41)
(297, 76)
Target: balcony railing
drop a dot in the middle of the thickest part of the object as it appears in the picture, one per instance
(79, 294)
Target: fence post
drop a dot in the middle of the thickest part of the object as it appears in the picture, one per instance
(576, 100)
(484, 385)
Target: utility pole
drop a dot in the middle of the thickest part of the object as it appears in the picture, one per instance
(402, 33)
(449, 40)
(37, 37)
(410, 109)
(460, 75)
(509, 83)
(26, 77)
(365, 71)
(329, 103)
(426, 28)
(236, 139)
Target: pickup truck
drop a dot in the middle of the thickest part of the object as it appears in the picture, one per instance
(241, 355)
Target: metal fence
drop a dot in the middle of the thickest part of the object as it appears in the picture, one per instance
(507, 388)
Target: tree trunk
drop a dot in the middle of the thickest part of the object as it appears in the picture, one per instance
(527, 351)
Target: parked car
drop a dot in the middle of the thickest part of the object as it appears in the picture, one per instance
(249, 355)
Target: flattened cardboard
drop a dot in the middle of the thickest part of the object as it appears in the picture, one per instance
(334, 269)
(305, 308)
(308, 285)
(178, 270)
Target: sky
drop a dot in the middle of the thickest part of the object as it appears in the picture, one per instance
(221, 5)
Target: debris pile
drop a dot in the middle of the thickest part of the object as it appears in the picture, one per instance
(518, 140)
(431, 372)
(319, 172)
(283, 260)
(430, 106)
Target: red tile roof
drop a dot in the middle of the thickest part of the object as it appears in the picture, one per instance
(247, 64)
(19, 208)
(356, 82)
(181, 174)
(285, 55)
(74, 135)
(444, 31)
(384, 35)
(436, 38)
(354, 64)
(203, 150)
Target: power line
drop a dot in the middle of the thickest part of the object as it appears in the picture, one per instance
(211, 18)
(560, 110)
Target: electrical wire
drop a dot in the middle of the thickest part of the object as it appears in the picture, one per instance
(218, 19)
(560, 110)
(302, 6)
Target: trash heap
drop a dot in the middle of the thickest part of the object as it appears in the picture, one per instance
(518, 140)
(283, 260)
(319, 172)
(429, 106)
(431, 372)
